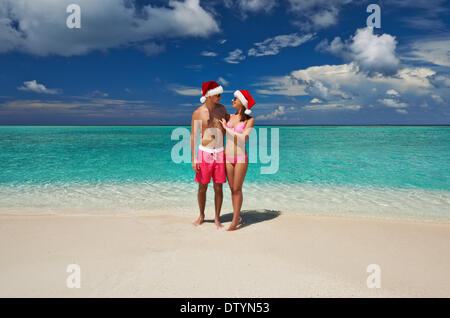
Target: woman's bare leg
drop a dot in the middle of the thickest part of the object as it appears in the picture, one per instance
(230, 174)
(240, 170)
(230, 177)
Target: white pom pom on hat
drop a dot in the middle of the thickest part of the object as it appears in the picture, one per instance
(210, 88)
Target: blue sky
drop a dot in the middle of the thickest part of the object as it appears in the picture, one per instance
(304, 62)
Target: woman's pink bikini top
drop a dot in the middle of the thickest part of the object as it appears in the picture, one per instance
(239, 127)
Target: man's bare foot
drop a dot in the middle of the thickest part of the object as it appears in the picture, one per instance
(200, 220)
(218, 224)
(235, 226)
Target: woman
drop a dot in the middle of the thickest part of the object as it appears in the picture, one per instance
(238, 129)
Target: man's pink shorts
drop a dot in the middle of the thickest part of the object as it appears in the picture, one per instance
(210, 165)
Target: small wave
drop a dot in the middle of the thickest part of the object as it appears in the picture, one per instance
(181, 198)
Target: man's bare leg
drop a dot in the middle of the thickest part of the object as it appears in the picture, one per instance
(201, 197)
(218, 199)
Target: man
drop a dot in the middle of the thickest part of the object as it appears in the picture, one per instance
(210, 160)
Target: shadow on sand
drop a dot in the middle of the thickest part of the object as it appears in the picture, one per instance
(250, 217)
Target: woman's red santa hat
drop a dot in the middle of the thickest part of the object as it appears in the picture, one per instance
(210, 88)
(246, 99)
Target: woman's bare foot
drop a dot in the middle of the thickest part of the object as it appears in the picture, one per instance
(235, 226)
(200, 220)
(218, 224)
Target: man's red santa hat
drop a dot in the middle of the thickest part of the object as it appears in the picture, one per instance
(210, 88)
(246, 100)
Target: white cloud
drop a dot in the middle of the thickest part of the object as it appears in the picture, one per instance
(328, 73)
(324, 82)
(373, 53)
(256, 5)
(235, 57)
(340, 81)
(81, 105)
(38, 27)
(440, 80)
(272, 46)
(281, 85)
(392, 92)
(434, 50)
(98, 93)
(35, 87)
(336, 47)
(392, 103)
(324, 13)
(317, 14)
(346, 87)
(210, 54)
(408, 77)
(325, 18)
(318, 89)
(438, 99)
(276, 114)
(185, 90)
(401, 111)
(332, 107)
(223, 81)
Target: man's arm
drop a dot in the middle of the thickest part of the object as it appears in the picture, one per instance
(227, 116)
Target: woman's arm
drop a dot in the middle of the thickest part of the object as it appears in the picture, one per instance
(241, 136)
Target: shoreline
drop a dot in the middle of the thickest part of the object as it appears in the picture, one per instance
(143, 198)
(16, 214)
(273, 255)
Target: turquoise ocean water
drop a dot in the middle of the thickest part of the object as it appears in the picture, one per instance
(381, 171)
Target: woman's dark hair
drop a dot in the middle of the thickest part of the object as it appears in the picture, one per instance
(244, 116)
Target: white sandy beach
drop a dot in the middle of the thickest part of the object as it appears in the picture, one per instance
(271, 256)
